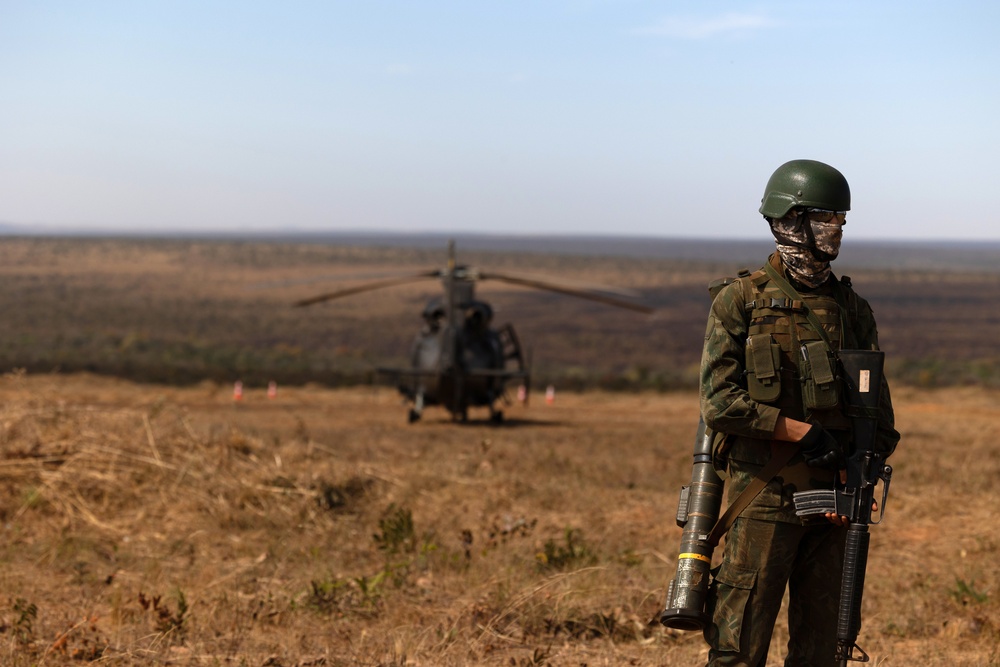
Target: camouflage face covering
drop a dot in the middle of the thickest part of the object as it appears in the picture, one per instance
(807, 252)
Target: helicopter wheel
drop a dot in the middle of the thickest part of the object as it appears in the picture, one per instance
(413, 416)
(496, 417)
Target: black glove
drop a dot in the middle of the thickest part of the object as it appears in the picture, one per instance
(821, 450)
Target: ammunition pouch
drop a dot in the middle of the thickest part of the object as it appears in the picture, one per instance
(763, 365)
(820, 389)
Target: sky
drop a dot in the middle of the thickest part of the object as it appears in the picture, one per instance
(616, 117)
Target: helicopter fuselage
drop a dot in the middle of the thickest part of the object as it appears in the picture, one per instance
(459, 361)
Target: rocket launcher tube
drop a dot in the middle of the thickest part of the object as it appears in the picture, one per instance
(697, 513)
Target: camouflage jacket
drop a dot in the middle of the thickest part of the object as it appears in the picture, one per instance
(754, 368)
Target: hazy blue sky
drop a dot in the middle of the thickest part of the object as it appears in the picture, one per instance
(548, 116)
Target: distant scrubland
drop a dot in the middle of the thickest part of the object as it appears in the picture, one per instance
(182, 311)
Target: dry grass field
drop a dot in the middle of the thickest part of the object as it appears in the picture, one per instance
(153, 520)
(152, 525)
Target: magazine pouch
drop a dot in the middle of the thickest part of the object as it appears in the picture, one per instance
(819, 382)
(763, 364)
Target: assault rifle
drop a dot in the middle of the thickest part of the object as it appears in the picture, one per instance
(861, 372)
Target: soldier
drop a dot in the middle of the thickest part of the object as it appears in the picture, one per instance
(768, 383)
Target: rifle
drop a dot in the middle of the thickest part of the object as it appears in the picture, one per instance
(861, 372)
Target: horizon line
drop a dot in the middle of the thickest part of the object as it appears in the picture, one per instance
(49, 231)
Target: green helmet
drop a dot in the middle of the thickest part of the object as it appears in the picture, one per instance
(805, 183)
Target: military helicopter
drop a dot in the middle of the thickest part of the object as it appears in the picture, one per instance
(458, 359)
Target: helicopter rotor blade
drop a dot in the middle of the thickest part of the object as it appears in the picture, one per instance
(358, 289)
(330, 278)
(569, 291)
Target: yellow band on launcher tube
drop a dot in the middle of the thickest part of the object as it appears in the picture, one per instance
(695, 556)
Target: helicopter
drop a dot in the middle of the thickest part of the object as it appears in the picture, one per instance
(459, 359)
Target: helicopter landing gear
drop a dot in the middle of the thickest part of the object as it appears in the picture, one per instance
(459, 414)
(418, 408)
(496, 416)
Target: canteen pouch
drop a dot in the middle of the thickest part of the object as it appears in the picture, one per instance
(763, 365)
(819, 381)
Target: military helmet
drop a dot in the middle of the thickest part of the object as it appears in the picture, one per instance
(805, 183)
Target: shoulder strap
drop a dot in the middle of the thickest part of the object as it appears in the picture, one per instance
(847, 299)
(781, 454)
(747, 283)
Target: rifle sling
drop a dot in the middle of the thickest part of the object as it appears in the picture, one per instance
(781, 454)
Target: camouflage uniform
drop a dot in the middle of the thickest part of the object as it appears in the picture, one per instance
(751, 372)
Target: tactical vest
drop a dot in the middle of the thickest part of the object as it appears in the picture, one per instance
(788, 363)
(789, 366)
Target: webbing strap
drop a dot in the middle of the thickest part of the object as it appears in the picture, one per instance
(777, 304)
(781, 454)
(848, 311)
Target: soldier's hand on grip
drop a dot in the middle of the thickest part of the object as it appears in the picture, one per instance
(821, 450)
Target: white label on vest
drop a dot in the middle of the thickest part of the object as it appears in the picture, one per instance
(864, 382)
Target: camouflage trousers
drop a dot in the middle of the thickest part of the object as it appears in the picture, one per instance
(760, 559)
